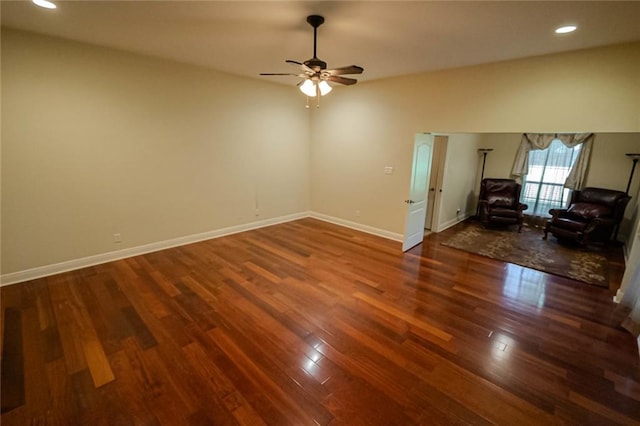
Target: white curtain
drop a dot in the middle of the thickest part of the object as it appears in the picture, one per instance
(535, 141)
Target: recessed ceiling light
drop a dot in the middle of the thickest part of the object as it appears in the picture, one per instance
(562, 30)
(44, 3)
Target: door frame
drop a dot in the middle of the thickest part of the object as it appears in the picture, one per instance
(440, 144)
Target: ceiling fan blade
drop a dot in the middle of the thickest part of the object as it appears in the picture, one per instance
(302, 66)
(279, 73)
(351, 69)
(342, 80)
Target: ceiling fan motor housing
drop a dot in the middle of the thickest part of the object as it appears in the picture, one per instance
(315, 20)
(316, 64)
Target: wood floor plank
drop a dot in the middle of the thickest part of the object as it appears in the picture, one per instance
(91, 345)
(401, 314)
(131, 388)
(221, 388)
(601, 409)
(308, 322)
(70, 336)
(285, 406)
(12, 369)
(35, 355)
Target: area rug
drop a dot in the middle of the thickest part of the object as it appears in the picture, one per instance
(529, 249)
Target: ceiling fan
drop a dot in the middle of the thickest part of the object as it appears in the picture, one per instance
(314, 71)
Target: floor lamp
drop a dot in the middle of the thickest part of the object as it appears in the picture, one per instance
(484, 152)
(635, 158)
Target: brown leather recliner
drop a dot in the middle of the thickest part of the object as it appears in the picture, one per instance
(592, 216)
(499, 202)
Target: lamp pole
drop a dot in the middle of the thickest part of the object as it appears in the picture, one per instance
(484, 152)
(635, 158)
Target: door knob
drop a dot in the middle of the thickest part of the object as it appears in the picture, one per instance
(432, 189)
(409, 201)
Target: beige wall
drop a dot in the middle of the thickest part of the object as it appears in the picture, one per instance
(459, 179)
(500, 160)
(610, 168)
(360, 129)
(97, 141)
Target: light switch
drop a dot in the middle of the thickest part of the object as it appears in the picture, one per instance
(388, 170)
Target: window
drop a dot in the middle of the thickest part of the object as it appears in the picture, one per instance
(543, 186)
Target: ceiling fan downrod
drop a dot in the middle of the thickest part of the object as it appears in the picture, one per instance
(315, 21)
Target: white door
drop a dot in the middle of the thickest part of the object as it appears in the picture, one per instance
(417, 202)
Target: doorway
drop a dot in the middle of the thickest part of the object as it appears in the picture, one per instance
(417, 201)
(426, 188)
(435, 183)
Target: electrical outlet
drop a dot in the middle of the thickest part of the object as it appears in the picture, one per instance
(117, 238)
(458, 211)
(357, 213)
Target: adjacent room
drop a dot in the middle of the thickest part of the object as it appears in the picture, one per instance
(203, 222)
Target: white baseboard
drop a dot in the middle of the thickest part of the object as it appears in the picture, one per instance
(618, 297)
(71, 265)
(358, 226)
(454, 221)
(57, 268)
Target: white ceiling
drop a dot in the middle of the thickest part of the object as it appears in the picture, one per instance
(387, 38)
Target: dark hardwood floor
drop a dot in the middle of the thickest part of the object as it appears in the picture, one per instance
(311, 323)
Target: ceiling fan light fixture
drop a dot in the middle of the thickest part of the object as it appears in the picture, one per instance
(309, 88)
(324, 88)
(44, 3)
(566, 29)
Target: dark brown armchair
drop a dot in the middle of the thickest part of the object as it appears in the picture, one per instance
(499, 202)
(592, 216)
